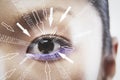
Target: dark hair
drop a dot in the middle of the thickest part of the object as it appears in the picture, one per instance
(103, 8)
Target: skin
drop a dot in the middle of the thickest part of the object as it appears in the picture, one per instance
(83, 27)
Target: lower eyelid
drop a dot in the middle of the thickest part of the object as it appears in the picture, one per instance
(64, 48)
(51, 56)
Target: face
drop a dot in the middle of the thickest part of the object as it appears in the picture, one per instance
(76, 23)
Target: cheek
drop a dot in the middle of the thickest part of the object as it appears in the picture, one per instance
(86, 32)
(89, 53)
(93, 53)
(87, 56)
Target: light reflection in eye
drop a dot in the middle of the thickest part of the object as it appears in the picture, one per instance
(47, 48)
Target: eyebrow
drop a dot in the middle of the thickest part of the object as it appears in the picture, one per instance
(30, 20)
(36, 16)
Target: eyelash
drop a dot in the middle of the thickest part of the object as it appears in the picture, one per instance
(65, 48)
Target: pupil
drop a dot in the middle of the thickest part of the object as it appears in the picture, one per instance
(46, 45)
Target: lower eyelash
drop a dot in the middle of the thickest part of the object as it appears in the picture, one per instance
(51, 56)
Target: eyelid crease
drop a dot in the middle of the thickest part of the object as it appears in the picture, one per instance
(52, 36)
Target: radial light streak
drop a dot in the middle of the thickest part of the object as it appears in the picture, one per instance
(8, 27)
(45, 16)
(65, 14)
(26, 71)
(45, 13)
(10, 56)
(47, 71)
(23, 75)
(24, 30)
(85, 8)
(66, 58)
(43, 28)
(8, 74)
(82, 35)
(51, 16)
(54, 31)
(62, 71)
(12, 40)
(37, 19)
(25, 59)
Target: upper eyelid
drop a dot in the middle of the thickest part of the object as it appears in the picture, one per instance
(31, 26)
(36, 40)
(53, 36)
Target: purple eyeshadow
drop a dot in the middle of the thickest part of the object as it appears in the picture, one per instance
(51, 56)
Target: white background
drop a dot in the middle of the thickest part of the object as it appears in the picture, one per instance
(115, 29)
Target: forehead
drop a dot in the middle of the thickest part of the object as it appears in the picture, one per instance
(29, 5)
(83, 12)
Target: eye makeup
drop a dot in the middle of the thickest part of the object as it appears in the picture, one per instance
(47, 48)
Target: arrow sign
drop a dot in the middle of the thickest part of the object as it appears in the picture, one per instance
(51, 16)
(8, 27)
(65, 57)
(24, 30)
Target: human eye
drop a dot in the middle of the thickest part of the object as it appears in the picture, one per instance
(47, 47)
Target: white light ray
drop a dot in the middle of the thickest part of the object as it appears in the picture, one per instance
(24, 30)
(8, 74)
(51, 16)
(82, 34)
(63, 72)
(45, 13)
(84, 9)
(25, 59)
(10, 56)
(8, 27)
(54, 31)
(66, 58)
(36, 16)
(26, 71)
(64, 15)
(12, 40)
(47, 71)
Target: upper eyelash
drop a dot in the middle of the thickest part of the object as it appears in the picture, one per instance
(54, 36)
(65, 48)
(49, 36)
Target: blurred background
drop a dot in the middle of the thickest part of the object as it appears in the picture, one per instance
(115, 30)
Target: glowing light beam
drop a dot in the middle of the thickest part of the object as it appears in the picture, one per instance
(10, 56)
(66, 58)
(8, 74)
(8, 27)
(47, 71)
(64, 15)
(24, 30)
(51, 16)
(25, 59)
